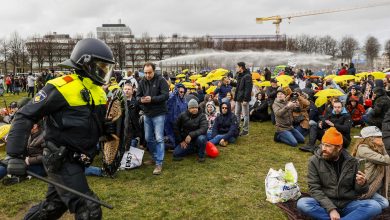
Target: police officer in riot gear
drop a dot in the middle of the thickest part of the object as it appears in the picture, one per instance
(74, 111)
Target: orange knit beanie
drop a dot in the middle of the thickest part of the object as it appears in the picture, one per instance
(332, 136)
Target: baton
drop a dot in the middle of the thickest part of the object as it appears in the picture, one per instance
(59, 185)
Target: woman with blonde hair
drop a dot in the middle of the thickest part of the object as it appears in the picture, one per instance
(372, 149)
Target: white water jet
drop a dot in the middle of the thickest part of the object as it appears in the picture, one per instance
(253, 58)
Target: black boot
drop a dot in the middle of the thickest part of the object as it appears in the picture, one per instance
(310, 147)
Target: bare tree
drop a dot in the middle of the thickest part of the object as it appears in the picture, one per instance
(4, 52)
(146, 46)
(348, 46)
(90, 35)
(49, 45)
(118, 48)
(371, 49)
(161, 49)
(387, 50)
(132, 51)
(36, 49)
(328, 46)
(306, 44)
(24, 57)
(15, 45)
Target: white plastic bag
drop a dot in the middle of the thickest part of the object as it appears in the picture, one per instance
(132, 158)
(281, 186)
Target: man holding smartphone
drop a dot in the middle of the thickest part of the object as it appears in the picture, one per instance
(152, 95)
(331, 172)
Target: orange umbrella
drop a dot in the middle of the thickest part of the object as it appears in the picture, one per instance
(256, 76)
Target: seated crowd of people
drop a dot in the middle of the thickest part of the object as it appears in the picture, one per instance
(166, 116)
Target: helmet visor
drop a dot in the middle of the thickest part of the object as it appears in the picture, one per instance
(104, 70)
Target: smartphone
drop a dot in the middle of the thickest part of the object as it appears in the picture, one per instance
(362, 165)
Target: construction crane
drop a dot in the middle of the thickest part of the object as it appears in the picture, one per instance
(277, 19)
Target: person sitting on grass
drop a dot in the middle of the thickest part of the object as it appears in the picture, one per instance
(190, 133)
(335, 184)
(285, 132)
(225, 129)
(372, 149)
(338, 118)
(356, 110)
(259, 110)
(34, 156)
(211, 115)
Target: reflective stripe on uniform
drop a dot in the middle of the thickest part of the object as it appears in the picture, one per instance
(71, 85)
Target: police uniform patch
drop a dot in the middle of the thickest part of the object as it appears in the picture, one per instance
(39, 97)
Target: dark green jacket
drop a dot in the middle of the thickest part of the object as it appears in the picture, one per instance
(323, 184)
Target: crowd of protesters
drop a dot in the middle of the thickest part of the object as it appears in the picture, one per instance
(29, 82)
(169, 116)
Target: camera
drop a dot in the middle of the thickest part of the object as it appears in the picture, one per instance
(294, 97)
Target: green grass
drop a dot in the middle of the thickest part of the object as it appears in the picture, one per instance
(228, 187)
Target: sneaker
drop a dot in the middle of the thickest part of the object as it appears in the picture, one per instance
(201, 159)
(149, 162)
(244, 133)
(223, 143)
(13, 180)
(177, 158)
(157, 170)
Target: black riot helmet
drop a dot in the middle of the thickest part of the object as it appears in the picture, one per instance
(92, 57)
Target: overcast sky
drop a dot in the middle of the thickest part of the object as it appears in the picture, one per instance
(192, 17)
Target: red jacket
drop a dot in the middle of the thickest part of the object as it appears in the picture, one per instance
(357, 112)
(343, 72)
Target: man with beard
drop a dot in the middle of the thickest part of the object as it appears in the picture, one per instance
(335, 183)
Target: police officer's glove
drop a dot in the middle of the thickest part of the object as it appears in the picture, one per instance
(109, 127)
(16, 167)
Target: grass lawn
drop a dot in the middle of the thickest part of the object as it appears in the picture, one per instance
(228, 187)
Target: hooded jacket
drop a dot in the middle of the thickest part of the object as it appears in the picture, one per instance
(189, 124)
(381, 106)
(356, 112)
(211, 116)
(226, 124)
(176, 105)
(324, 186)
(243, 86)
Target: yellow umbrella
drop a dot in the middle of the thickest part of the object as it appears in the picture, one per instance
(203, 81)
(264, 83)
(378, 75)
(220, 71)
(194, 77)
(211, 89)
(329, 77)
(329, 93)
(189, 85)
(284, 80)
(320, 101)
(362, 74)
(217, 74)
(181, 76)
(185, 71)
(4, 129)
(344, 78)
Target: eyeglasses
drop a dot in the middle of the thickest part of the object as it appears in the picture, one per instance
(224, 108)
(182, 92)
